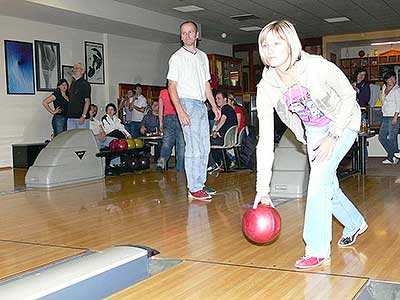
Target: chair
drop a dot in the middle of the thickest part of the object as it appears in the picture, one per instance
(230, 139)
(238, 144)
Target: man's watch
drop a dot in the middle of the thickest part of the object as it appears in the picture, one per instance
(334, 136)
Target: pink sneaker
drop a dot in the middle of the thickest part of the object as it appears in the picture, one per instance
(308, 262)
(199, 195)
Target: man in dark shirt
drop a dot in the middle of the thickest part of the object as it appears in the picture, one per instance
(79, 100)
(227, 120)
(151, 122)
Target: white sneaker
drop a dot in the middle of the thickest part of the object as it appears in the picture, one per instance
(397, 155)
(389, 162)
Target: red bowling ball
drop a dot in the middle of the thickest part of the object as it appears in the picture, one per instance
(113, 145)
(123, 144)
(118, 145)
(261, 225)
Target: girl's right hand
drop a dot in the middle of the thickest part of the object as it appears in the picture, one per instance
(265, 199)
(57, 110)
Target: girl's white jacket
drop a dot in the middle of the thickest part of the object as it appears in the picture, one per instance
(113, 123)
(330, 91)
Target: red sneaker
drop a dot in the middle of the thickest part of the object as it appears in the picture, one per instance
(199, 195)
(308, 262)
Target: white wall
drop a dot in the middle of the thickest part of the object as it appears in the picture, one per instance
(136, 61)
(23, 118)
(127, 60)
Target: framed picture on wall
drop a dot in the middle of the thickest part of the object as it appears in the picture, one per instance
(67, 73)
(94, 62)
(47, 62)
(19, 67)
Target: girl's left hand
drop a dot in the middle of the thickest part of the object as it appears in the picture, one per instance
(394, 121)
(323, 149)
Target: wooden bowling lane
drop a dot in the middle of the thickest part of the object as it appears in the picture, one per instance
(18, 258)
(12, 180)
(195, 281)
(152, 209)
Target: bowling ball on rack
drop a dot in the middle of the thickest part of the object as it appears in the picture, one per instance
(138, 143)
(144, 162)
(261, 225)
(123, 144)
(113, 145)
(131, 144)
(133, 163)
(118, 145)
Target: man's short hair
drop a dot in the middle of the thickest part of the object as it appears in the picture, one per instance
(138, 85)
(189, 22)
(223, 93)
(81, 64)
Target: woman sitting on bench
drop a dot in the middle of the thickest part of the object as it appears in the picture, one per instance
(99, 133)
(112, 124)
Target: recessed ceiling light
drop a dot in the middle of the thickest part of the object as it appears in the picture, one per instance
(250, 28)
(244, 17)
(188, 8)
(385, 43)
(337, 20)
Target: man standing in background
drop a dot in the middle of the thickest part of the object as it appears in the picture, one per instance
(79, 100)
(189, 87)
(138, 108)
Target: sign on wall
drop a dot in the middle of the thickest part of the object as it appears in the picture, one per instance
(19, 67)
(47, 62)
(94, 62)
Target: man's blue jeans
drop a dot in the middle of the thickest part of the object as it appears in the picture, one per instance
(324, 196)
(197, 143)
(173, 135)
(129, 127)
(135, 129)
(73, 123)
(388, 136)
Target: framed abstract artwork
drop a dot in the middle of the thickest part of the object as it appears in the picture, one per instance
(47, 62)
(67, 73)
(19, 67)
(94, 62)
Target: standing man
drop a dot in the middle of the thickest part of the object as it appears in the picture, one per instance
(124, 105)
(138, 109)
(189, 87)
(79, 100)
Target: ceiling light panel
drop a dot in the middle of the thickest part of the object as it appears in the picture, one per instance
(337, 20)
(250, 28)
(188, 8)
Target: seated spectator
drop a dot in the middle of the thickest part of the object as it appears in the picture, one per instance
(150, 126)
(151, 122)
(99, 133)
(239, 112)
(112, 124)
(227, 120)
